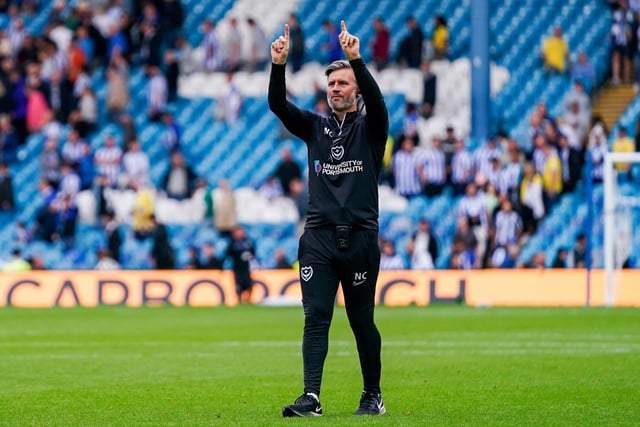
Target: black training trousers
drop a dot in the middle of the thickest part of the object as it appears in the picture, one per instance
(322, 267)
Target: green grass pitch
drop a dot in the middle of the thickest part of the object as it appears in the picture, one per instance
(459, 366)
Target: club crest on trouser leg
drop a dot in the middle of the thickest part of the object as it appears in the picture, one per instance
(306, 273)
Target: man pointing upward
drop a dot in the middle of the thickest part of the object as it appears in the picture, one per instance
(340, 241)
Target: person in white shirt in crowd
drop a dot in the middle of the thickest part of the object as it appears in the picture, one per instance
(211, 47)
(482, 156)
(473, 207)
(423, 247)
(432, 169)
(230, 105)
(598, 148)
(135, 164)
(157, 94)
(257, 59)
(75, 149)
(69, 183)
(404, 166)
(232, 47)
(105, 261)
(389, 259)
(508, 225)
(461, 168)
(108, 160)
(51, 128)
(509, 182)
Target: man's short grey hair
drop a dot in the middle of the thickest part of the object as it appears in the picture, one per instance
(336, 65)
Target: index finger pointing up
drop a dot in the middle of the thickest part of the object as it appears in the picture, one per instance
(343, 26)
(286, 32)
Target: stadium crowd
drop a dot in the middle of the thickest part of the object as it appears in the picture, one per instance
(505, 187)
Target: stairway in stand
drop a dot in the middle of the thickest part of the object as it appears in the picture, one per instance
(611, 102)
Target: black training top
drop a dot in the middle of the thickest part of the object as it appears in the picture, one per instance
(345, 158)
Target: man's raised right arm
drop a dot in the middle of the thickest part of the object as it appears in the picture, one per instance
(293, 118)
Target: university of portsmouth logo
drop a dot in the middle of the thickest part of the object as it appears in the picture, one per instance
(306, 273)
(337, 152)
(317, 167)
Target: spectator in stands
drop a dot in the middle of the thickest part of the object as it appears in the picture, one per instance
(257, 59)
(571, 165)
(473, 208)
(117, 93)
(157, 94)
(440, 39)
(112, 234)
(287, 171)
(560, 260)
(555, 52)
(105, 261)
(296, 43)
(85, 117)
(578, 102)
(117, 43)
(300, 197)
(162, 254)
(211, 261)
(172, 133)
(230, 106)
(482, 156)
(432, 169)
(211, 47)
(508, 225)
(598, 148)
(179, 181)
(150, 50)
(281, 262)
(241, 251)
(108, 161)
(410, 124)
(22, 235)
(449, 148)
(622, 42)
(184, 54)
(429, 85)
(410, 49)
(225, 216)
(9, 141)
(69, 182)
(538, 260)
(171, 21)
(6, 189)
(135, 167)
(531, 199)
(50, 127)
(46, 215)
(404, 165)
(461, 169)
(494, 174)
(233, 48)
(551, 177)
(380, 43)
(193, 263)
(511, 174)
(271, 188)
(128, 127)
(17, 263)
(623, 144)
(75, 149)
(36, 107)
(505, 257)
(389, 259)
(36, 262)
(50, 162)
(143, 208)
(463, 256)
(579, 253)
(66, 221)
(330, 46)
(60, 95)
(423, 247)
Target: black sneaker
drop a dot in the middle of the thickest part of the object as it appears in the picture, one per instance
(370, 404)
(306, 405)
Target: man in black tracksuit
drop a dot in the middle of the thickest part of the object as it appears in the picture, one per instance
(340, 242)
